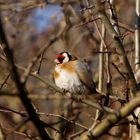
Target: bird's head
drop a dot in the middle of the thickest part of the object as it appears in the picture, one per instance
(63, 57)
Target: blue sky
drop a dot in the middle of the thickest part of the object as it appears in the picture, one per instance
(41, 17)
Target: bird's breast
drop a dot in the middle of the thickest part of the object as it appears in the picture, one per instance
(68, 81)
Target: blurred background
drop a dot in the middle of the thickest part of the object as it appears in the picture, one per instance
(29, 26)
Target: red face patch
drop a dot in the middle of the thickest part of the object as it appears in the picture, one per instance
(59, 58)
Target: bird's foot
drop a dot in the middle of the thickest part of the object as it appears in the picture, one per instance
(65, 91)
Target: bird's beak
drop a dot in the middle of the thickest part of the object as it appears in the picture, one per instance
(56, 61)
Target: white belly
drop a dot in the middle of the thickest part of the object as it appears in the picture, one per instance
(70, 82)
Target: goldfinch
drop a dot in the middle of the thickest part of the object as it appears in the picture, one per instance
(73, 75)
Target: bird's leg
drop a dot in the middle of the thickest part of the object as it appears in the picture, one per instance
(80, 97)
(64, 91)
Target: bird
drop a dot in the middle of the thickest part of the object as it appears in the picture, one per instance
(73, 75)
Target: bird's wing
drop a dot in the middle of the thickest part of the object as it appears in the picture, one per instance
(85, 75)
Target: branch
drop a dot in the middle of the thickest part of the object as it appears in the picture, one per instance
(2, 134)
(118, 43)
(23, 93)
(5, 109)
(20, 6)
(5, 81)
(112, 119)
(137, 36)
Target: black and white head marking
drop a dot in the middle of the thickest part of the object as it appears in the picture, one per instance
(63, 57)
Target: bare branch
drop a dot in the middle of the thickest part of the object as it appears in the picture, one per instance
(101, 11)
(21, 6)
(112, 119)
(21, 89)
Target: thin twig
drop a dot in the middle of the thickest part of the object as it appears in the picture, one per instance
(119, 71)
(61, 117)
(22, 6)
(5, 109)
(5, 81)
(34, 60)
(87, 8)
(77, 134)
(2, 134)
